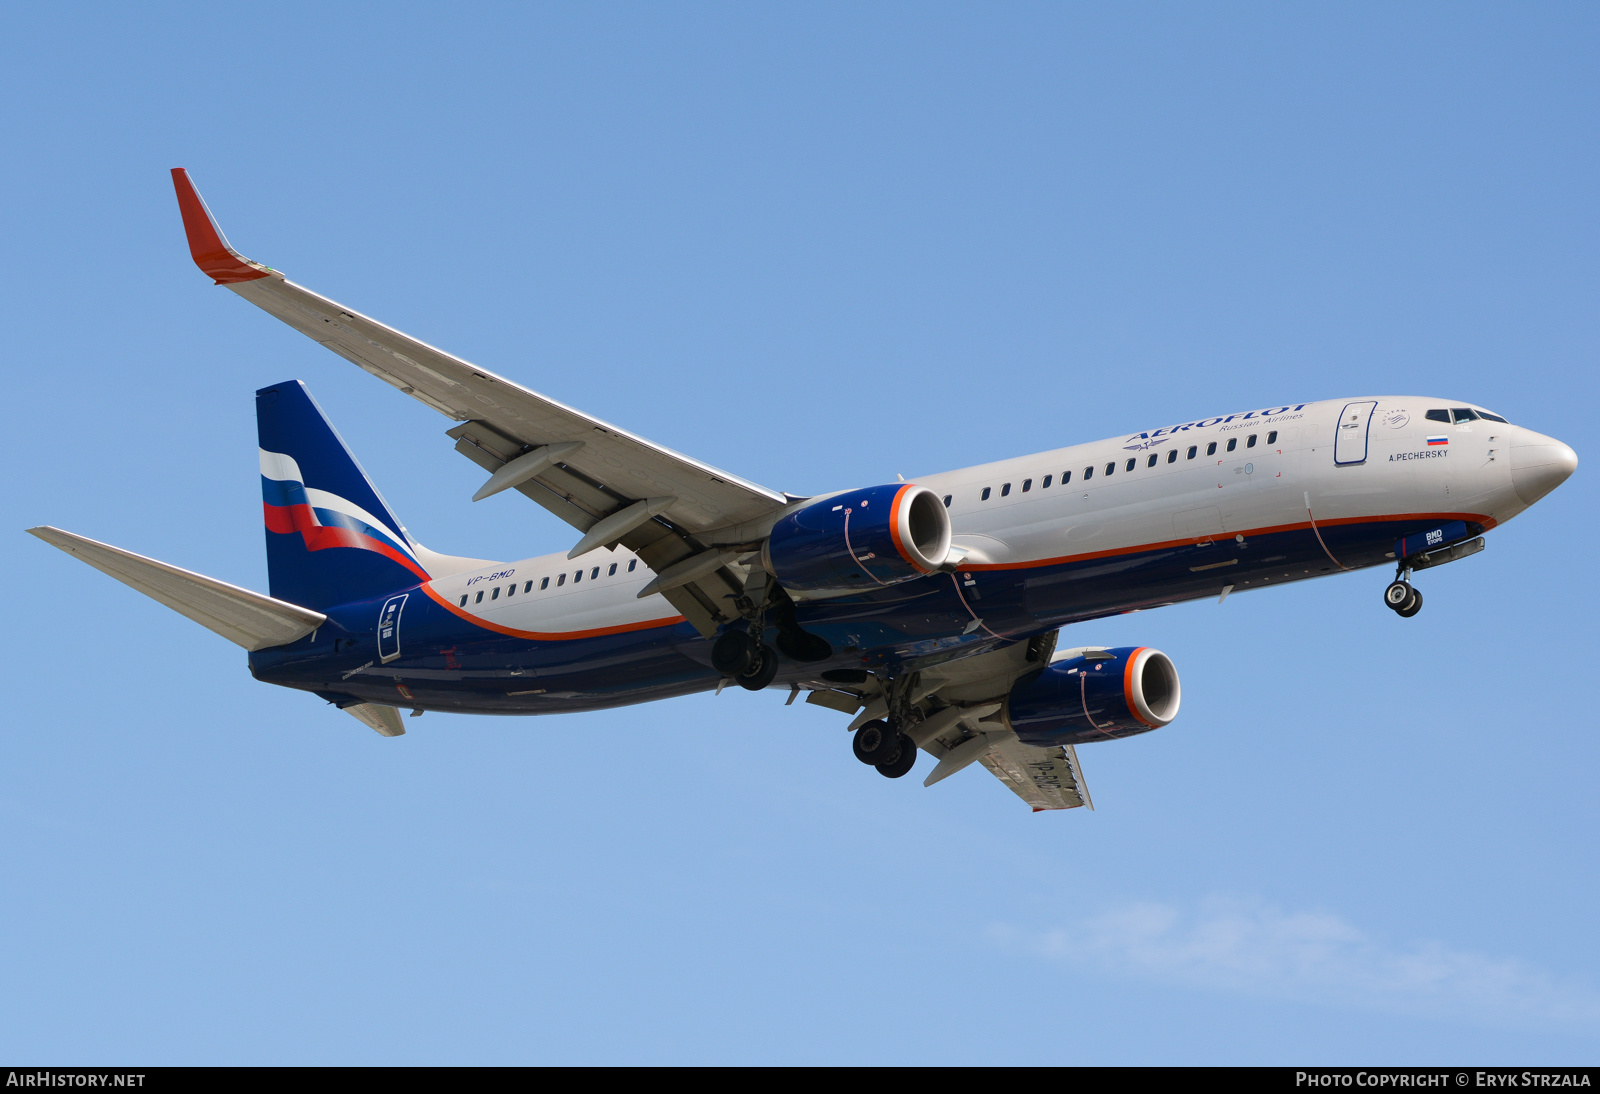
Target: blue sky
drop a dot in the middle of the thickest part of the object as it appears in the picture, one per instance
(817, 245)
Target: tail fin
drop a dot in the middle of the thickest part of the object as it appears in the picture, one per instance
(331, 538)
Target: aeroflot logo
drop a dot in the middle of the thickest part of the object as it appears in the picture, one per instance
(1157, 436)
(324, 519)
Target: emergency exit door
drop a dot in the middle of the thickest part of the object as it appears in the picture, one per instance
(389, 628)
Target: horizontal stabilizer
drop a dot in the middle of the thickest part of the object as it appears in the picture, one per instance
(247, 618)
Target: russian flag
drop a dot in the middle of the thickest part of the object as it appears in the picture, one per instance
(1433, 441)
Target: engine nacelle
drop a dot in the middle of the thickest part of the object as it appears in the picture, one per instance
(1095, 695)
(860, 540)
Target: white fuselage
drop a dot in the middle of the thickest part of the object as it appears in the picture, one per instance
(1065, 504)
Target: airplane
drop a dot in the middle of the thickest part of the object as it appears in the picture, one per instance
(927, 612)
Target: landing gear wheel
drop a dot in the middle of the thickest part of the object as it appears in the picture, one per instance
(1412, 608)
(1398, 595)
(901, 763)
(760, 674)
(733, 653)
(875, 743)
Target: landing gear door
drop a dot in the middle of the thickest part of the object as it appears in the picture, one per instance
(1350, 436)
(389, 628)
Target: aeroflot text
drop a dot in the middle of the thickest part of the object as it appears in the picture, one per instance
(1204, 423)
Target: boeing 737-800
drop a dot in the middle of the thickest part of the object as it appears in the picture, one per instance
(926, 612)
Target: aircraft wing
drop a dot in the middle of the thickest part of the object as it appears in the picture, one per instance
(1045, 778)
(582, 469)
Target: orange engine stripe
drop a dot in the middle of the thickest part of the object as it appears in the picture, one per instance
(894, 528)
(1127, 686)
(552, 636)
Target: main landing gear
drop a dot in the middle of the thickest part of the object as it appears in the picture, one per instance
(1401, 598)
(883, 743)
(882, 746)
(752, 664)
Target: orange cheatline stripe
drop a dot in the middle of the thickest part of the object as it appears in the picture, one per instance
(551, 636)
(1487, 522)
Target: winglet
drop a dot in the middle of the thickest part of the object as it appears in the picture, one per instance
(207, 244)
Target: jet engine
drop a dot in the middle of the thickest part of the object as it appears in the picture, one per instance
(859, 540)
(1095, 695)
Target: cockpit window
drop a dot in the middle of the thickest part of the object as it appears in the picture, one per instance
(1492, 417)
(1438, 416)
(1463, 414)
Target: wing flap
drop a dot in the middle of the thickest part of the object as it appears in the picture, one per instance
(1045, 778)
(246, 618)
(569, 494)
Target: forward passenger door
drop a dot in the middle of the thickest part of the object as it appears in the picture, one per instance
(1350, 435)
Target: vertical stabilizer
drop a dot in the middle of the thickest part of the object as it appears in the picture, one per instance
(331, 538)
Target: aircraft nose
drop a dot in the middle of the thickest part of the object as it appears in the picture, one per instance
(1539, 464)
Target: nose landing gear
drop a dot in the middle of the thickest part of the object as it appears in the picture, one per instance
(1401, 598)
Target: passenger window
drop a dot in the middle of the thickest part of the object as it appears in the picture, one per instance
(1211, 449)
(1438, 416)
(594, 573)
(1463, 414)
(1045, 485)
(479, 599)
(496, 594)
(1006, 489)
(1066, 477)
(947, 501)
(985, 496)
(544, 583)
(1132, 463)
(613, 571)
(1027, 484)
(561, 579)
(1193, 449)
(511, 589)
(1233, 442)
(1151, 462)
(1088, 473)
(463, 600)
(577, 577)
(1251, 443)
(1272, 438)
(632, 562)
(1172, 457)
(1111, 468)
(527, 588)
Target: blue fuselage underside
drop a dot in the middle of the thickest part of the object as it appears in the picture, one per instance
(448, 663)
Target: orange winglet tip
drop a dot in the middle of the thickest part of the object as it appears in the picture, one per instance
(207, 244)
